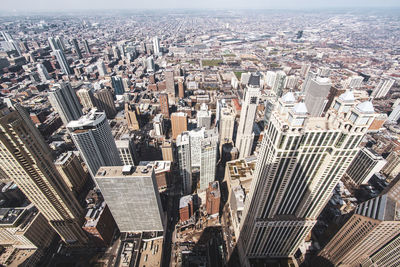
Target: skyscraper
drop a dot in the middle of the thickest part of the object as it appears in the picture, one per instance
(71, 170)
(53, 44)
(365, 164)
(279, 83)
(164, 107)
(131, 117)
(383, 88)
(126, 150)
(105, 102)
(353, 82)
(43, 74)
(178, 123)
(204, 117)
(101, 68)
(170, 83)
(64, 100)
(196, 138)
(209, 153)
(62, 60)
(87, 47)
(167, 151)
(374, 223)
(86, 97)
(150, 67)
(245, 135)
(184, 162)
(117, 85)
(156, 45)
(316, 95)
(395, 114)
(300, 162)
(181, 87)
(226, 125)
(77, 49)
(27, 160)
(93, 138)
(132, 195)
(307, 80)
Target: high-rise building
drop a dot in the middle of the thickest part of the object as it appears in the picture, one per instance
(226, 125)
(181, 87)
(150, 67)
(324, 72)
(27, 160)
(196, 139)
(213, 198)
(131, 117)
(105, 102)
(178, 123)
(305, 68)
(25, 227)
(127, 150)
(60, 43)
(279, 83)
(167, 151)
(383, 88)
(365, 164)
(374, 223)
(43, 73)
(71, 170)
(87, 47)
(395, 114)
(316, 95)
(62, 60)
(209, 153)
(86, 97)
(158, 125)
(204, 117)
(245, 135)
(156, 45)
(76, 48)
(386, 256)
(53, 44)
(353, 82)
(164, 107)
(392, 167)
(117, 85)
(184, 161)
(301, 160)
(310, 75)
(93, 138)
(101, 68)
(170, 84)
(64, 100)
(131, 194)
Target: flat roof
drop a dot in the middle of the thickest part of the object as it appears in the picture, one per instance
(123, 172)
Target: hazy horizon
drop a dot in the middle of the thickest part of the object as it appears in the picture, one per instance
(75, 5)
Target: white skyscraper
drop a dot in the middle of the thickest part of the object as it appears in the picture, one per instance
(150, 64)
(279, 83)
(300, 162)
(62, 60)
(353, 82)
(43, 74)
(156, 45)
(316, 95)
(383, 88)
(132, 195)
(93, 138)
(307, 80)
(196, 138)
(204, 117)
(209, 153)
(65, 102)
(395, 114)
(245, 135)
(226, 125)
(184, 162)
(101, 68)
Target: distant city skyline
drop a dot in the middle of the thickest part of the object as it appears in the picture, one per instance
(48, 5)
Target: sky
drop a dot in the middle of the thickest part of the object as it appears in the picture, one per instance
(59, 5)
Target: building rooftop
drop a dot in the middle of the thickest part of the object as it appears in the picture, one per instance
(87, 121)
(124, 171)
(185, 200)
